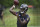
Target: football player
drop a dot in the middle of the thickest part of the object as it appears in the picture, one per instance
(22, 17)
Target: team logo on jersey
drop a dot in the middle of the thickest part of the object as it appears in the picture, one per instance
(22, 18)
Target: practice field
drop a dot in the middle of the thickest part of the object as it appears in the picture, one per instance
(11, 20)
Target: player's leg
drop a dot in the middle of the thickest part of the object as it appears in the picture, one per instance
(2, 20)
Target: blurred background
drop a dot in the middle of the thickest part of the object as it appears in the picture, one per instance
(33, 12)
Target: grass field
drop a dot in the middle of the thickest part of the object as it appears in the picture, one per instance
(11, 20)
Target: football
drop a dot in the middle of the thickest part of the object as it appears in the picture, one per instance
(16, 2)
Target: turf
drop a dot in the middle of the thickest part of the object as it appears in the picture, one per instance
(11, 20)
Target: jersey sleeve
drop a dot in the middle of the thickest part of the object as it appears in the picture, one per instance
(16, 13)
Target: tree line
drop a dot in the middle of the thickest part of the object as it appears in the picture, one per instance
(9, 3)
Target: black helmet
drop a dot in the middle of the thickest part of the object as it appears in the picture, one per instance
(25, 7)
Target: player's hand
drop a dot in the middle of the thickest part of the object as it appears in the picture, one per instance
(13, 6)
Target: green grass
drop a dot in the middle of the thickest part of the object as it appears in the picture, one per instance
(11, 20)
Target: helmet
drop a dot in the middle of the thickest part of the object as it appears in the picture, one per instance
(25, 7)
